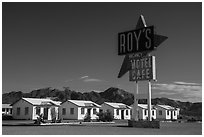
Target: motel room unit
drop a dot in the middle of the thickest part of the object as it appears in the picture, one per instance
(118, 110)
(6, 109)
(78, 109)
(31, 108)
(165, 112)
(143, 112)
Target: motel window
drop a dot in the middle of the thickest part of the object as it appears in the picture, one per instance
(82, 110)
(152, 112)
(10, 111)
(117, 111)
(3, 109)
(126, 112)
(71, 111)
(37, 110)
(26, 110)
(160, 112)
(145, 112)
(18, 111)
(100, 110)
(167, 112)
(63, 111)
(174, 113)
(94, 111)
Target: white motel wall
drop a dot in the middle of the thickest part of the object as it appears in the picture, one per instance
(78, 109)
(165, 112)
(118, 110)
(143, 112)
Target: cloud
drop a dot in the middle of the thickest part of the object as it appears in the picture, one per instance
(83, 77)
(185, 83)
(190, 91)
(92, 80)
(179, 86)
(89, 79)
(166, 93)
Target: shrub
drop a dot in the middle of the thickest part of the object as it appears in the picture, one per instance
(87, 118)
(105, 116)
(59, 121)
(39, 119)
(108, 116)
(7, 117)
(191, 120)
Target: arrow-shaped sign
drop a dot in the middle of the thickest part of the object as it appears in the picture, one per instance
(158, 39)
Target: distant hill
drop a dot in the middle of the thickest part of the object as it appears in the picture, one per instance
(112, 94)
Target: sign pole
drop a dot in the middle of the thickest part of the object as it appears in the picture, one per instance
(135, 106)
(136, 100)
(149, 102)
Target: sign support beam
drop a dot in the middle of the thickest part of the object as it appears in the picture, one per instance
(135, 106)
(149, 101)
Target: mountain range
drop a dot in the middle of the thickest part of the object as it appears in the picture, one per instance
(112, 94)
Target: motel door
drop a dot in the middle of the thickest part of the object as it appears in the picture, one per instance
(45, 113)
(122, 114)
(89, 111)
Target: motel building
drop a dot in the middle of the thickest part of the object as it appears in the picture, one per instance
(143, 112)
(118, 110)
(6, 109)
(31, 108)
(78, 109)
(165, 112)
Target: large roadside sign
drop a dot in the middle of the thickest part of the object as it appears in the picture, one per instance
(136, 45)
(142, 69)
(135, 41)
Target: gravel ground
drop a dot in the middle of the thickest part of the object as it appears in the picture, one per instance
(117, 128)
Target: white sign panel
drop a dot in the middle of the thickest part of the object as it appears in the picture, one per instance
(142, 69)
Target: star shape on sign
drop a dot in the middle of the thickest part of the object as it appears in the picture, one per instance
(158, 39)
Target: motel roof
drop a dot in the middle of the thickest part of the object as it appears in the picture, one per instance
(145, 106)
(117, 105)
(6, 106)
(84, 103)
(41, 101)
(166, 107)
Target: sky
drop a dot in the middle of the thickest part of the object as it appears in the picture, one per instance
(75, 45)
